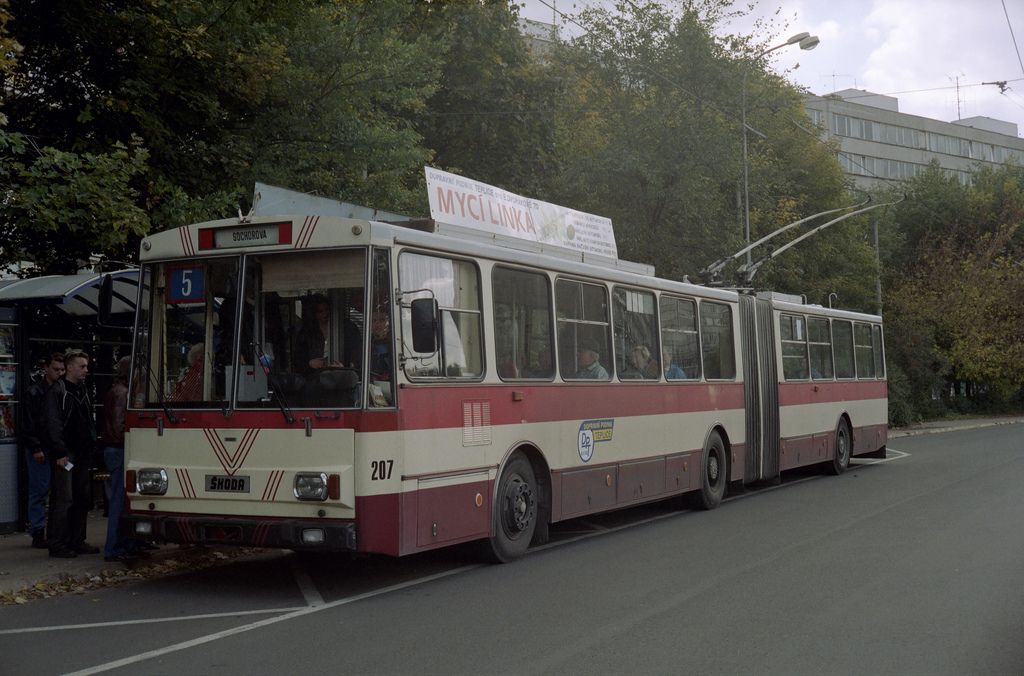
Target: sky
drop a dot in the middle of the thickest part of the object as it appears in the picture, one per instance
(934, 56)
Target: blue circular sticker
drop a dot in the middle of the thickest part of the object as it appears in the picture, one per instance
(585, 445)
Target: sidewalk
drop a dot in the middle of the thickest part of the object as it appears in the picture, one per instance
(31, 573)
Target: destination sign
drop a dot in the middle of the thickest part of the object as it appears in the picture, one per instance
(246, 236)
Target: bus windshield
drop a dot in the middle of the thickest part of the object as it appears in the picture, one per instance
(273, 330)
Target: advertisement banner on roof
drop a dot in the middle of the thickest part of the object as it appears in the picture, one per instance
(460, 201)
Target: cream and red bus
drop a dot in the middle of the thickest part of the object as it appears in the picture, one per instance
(323, 383)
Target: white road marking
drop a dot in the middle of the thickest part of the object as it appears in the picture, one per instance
(309, 591)
(184, 645)
(152, 620)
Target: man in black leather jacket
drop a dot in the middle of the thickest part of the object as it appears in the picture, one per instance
(69, 436)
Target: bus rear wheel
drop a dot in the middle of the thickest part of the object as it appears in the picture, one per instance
(843, 447)
(713, 473)
(515, 511)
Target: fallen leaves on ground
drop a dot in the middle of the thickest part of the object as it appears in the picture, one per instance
(172, 562)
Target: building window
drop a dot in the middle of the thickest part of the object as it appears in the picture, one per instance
(844, 125)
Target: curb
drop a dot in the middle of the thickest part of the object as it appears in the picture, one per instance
(905, 432)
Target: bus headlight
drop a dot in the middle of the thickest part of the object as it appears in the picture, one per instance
(151, 481)
(311, 486)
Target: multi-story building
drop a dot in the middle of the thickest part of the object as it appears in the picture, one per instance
(538, 37)
(880, 144)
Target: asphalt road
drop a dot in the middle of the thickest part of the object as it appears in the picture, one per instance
(913, 565)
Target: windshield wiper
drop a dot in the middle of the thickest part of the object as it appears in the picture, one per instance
(265, 362)
(168, 411)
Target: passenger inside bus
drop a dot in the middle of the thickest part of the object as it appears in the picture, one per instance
(380, 358)
(642, 365)
(380, 345)
(672, 372)
(543, 369)
(588, 358)
(312, 349)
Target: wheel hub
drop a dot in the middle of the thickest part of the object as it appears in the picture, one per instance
(519, 509)
(713, 468)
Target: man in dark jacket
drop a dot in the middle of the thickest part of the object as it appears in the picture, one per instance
(68, 433)
(35, 456)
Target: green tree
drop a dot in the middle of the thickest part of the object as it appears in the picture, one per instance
(336, 115)
(651, 137)
(211, 96)
(955, 300)
(491, 117)
(60, 198)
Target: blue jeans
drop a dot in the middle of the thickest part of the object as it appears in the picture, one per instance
(38, 488)
(113, 458)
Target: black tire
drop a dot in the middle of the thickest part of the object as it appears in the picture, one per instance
(843, 449)
(515, 511)
(713, 475)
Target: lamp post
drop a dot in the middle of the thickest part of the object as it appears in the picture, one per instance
(806, 42)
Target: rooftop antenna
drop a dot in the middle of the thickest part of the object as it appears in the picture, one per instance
(956, 79)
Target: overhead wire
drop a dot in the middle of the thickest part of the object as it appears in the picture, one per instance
(1012, 36)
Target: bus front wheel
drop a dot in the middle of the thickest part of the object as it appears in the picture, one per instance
(515, 511)
(714, 474)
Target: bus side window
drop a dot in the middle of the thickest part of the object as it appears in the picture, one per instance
(636, 335)
(864, 351)
(794, 347)
(680, 354)
(455, 284)
(522, 324)
(584, 343)
(842, 341)
(716, 338)
(879, 356)
(821, 348)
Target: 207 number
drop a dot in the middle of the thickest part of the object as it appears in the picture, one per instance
(380, 470)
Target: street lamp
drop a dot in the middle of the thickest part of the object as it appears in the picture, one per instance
(806, 42)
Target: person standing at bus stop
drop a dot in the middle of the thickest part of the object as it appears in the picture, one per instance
(35, 456)
(115, 405)
(68, 433)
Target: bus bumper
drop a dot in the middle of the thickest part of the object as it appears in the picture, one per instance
(296, 534)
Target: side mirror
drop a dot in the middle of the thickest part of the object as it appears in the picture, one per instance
(424, 325)
(106, 299)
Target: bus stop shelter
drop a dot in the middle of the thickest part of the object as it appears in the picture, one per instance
(39, 316)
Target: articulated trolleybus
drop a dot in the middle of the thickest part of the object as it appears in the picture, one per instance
(320, 383)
